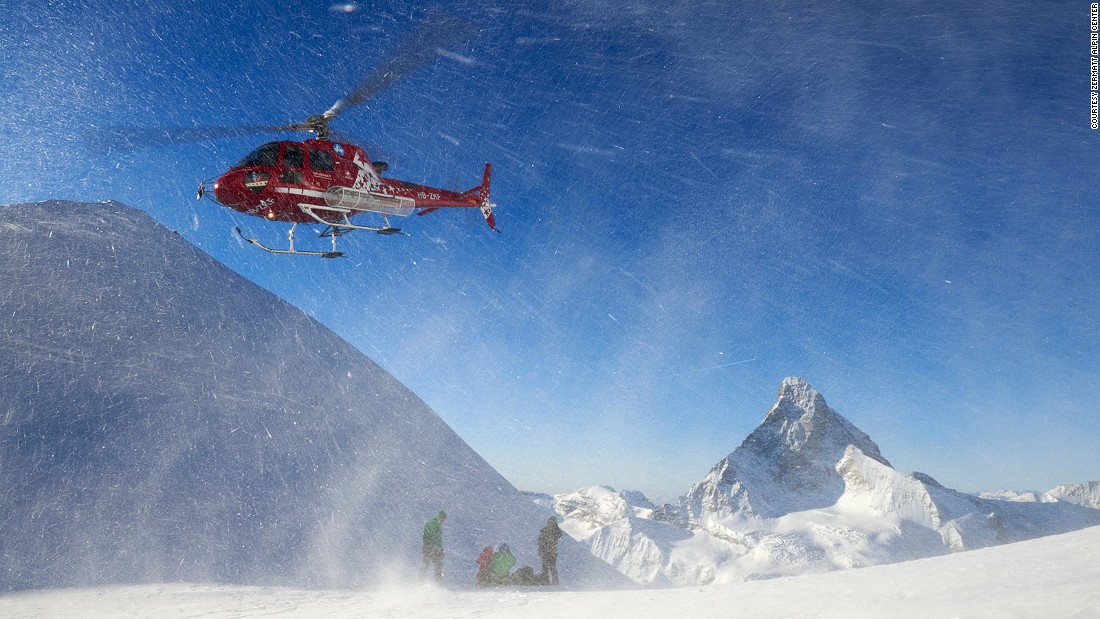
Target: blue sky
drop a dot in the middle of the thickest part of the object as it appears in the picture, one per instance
(899, 204)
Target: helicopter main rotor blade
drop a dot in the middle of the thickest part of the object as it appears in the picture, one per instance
(112, 138)
(431, 37)
(428, 40)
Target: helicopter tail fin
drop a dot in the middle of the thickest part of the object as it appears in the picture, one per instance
(480, 194)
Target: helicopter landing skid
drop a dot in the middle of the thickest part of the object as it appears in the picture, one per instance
(344, 225)
(291, 250)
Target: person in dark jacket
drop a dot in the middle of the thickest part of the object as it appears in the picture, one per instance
(433, 545)
(548, 551)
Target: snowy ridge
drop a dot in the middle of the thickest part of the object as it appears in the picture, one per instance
(619, 528)
(861, 512)
(165, 419)
(874, 488)
(1021, 496)
(1087, 494)
(600, 506)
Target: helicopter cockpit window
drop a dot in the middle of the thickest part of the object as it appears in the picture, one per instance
(294, 157)
(320, 160)
(266, 155)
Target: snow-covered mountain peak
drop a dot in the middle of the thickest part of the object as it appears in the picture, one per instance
(787, 464)
(797, 396)
(794, 412)
(801, 421)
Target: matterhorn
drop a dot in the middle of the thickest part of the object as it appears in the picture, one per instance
(787, 464)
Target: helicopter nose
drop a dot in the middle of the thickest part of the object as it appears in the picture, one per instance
(241, 190)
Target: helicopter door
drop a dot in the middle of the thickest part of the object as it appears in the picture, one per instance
(293, 160)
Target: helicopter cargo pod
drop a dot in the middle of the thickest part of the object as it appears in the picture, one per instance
(353, 199)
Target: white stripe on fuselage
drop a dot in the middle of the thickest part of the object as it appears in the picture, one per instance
(298, 191)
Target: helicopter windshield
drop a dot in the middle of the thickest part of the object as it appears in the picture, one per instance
(266, 155)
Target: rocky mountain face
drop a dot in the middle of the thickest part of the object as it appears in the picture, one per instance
(164, 419)
(806, 492)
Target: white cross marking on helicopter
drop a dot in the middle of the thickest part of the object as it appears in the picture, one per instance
(264, 204)
(367, 178)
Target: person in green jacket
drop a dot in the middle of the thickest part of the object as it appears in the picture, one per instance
(433, 545)
(500, 568)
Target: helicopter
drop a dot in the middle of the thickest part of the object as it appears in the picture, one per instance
(326, 182)
(325, 179)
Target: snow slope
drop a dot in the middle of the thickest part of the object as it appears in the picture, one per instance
(832, 506)
(163, 419)
(1049, 578)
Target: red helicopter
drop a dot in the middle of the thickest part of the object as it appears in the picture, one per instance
(326, 180)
